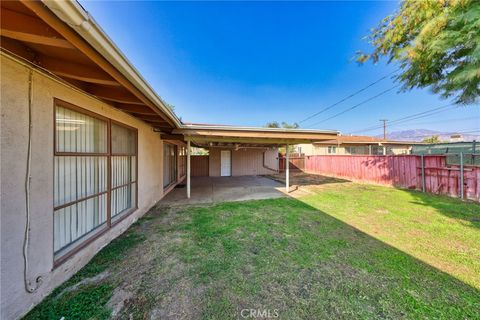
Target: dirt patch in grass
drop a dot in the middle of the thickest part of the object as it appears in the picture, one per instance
(153, 275)
(86, 294)
(302, 179)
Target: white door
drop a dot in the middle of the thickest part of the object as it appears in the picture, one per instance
(225, 163)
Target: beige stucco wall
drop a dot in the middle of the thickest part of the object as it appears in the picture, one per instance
(315, 150)
(245, 162)
(305, 148)
(214, 162)
(14, 136)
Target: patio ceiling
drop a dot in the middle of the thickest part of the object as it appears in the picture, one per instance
(61, 38)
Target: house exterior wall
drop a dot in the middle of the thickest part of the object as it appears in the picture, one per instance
(15, 301)
(214, 162)
(317, 150)
(245, 162)
(305, 148)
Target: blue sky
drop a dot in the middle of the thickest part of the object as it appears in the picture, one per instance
(248, 63)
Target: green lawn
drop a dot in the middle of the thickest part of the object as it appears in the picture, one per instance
(344, 251)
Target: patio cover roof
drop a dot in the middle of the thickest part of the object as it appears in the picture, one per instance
(363, 140)
(232, 136)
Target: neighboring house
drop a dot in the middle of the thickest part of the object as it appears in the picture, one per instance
(356, 145)
(456, 138)
(88, 147)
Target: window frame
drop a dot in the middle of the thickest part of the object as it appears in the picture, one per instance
(182, 161)
(120, 216)
(354, 150)
(176, 169)
(80, 243)
(332, 149)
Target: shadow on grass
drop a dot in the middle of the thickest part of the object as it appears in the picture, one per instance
(276, 254)
(284, 254)
(468, 211)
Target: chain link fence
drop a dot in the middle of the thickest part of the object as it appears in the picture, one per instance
(452, 150)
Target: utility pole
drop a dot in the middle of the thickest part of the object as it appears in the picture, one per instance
(384, 128)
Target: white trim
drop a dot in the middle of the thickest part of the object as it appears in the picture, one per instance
(287, 169)
(245, 128)
(225, 163)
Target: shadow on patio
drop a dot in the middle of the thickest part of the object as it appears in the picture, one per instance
(300, 178)
(219, 189)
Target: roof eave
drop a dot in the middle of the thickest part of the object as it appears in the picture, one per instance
(73, 14)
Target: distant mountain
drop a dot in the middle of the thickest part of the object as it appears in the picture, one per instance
(420, 134)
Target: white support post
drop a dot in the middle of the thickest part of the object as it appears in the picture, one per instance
(188, 168)
(287, 170)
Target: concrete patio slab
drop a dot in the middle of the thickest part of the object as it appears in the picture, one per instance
(221, 189)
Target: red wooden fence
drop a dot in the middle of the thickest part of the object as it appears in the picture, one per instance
(401, 170)
(296, 163)
(199, 166)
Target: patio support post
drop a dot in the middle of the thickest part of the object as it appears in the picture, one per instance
(188, 168)
(287, 170)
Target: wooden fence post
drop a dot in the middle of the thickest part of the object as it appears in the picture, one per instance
(461, 176)
(423, 172)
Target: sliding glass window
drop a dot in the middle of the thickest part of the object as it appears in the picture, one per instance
(94, 177)
(169, 164)
(124, 145)
(80, 193)
(182, 161)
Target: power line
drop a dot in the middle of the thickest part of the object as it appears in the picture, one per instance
(354, 106)
(421, 116)
(447, 133)
(411, 117)
(425, 113)
(348, 97)
(443, 121)
(447, 120)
